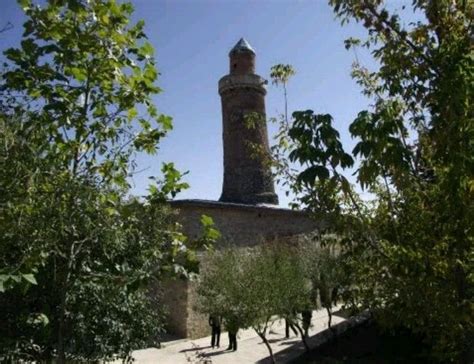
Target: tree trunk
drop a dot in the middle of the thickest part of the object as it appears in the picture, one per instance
(64, 286)
(265, 341)
(328, 309)
(303, 337)
(61, 325)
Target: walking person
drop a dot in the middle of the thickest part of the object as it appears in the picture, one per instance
(215, 323)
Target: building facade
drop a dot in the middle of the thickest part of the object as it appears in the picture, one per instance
(247, 212)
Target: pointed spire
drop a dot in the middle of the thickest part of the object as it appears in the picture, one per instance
(242, 46)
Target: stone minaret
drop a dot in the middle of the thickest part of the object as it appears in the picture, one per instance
(247, 176)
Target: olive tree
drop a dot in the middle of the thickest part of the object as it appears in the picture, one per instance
(254, 287)
(324, 267)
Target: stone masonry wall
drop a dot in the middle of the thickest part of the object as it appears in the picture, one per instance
(240, 225)
(175, 299)
(244, 225)
(197, 323)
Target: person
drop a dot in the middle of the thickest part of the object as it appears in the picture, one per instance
(289, 325)
(215, 323)
(306, 316)
(232, 329)
(232, 340)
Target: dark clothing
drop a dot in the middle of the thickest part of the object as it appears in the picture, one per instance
(306, 315)
(216, 336)
(215, 324)
(214, 321)
(232, 341)
(287, 329)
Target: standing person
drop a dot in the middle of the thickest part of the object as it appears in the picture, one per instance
(215, 323)
(306, 316)
(232, 328)
(289, 325)
(232, 340)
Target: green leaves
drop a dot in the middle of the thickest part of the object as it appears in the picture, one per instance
(281, 73)
(316, 146)
(38, 319)
(248, 287)
(166, 122)
(409, 236)
(317, 141)
(209, 235)
(410, 144)
(383, 147)
(312, 173)
(80, 74)
(25, 4)
(30, 278)
(76, 251)
(102, 75)
(351, 42)
(145, 51)
(170, 184)
(8, 281)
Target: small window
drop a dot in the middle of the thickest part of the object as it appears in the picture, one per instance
(235, 65)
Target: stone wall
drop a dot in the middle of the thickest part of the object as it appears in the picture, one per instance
(175, 299)
(183, 320)
(244, 225)
(240, 225)
(197, 323)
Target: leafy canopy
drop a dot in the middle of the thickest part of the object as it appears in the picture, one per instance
(77, 254)
(412, 245)
(251, 288)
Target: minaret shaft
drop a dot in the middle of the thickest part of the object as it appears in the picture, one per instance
(247, 173)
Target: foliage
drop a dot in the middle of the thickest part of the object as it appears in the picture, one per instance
(324, 266)
(284, 172)
(248, 288)
(412, 246)
(77, 254)
(280, 75)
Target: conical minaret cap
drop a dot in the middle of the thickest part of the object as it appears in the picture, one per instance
(242, 46)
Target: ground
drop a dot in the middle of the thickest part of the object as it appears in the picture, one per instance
(369, 344)
(250, 346)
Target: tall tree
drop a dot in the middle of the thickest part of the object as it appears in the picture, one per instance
(76, 254)
(415, 153)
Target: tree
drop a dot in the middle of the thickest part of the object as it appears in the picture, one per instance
(291, 284)
(413, 245)
(324, 268)
(280, 75)
(251, 288)
(77, 254)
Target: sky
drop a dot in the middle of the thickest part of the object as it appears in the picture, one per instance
(192, 39)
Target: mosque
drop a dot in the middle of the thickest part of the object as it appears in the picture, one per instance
(247, 212)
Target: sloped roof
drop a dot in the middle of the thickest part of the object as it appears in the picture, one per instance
(242, 46)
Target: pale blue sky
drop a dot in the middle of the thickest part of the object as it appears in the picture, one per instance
(192, 39)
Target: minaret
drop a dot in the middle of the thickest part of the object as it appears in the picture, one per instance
(247, 174)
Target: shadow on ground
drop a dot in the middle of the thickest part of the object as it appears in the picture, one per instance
(196, 348)
(220, 352)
